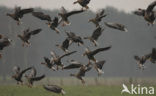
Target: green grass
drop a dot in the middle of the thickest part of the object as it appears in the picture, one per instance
(15, 90)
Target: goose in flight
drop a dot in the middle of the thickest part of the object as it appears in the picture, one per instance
(27, 35)
(82, 71)
(47, 62)
(90, 54)
(83, 3)
(31, 77)
(57, 59)
(19, 13)
(65, 15)
(19, 74)
(149, 14)
(55, 89)
(99, 16)
(95, 35)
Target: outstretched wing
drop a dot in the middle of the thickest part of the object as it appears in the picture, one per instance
(23, 71)
(34, 32)
(74, 12)
(100, 49)
(41, 16)
(97, 32)
(38, 78)
(72, 66)
(151, 6)
(67, 54)
(25, 11)
(139, 13)
(65, 43)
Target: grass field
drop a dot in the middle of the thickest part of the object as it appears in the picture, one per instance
(15, 90)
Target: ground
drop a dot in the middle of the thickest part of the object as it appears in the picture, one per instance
(15, 90)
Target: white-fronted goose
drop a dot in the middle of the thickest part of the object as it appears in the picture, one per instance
(64, 15)
(19, 13)
(148, 13)
(54, 24)
(55, 89)
(98, 18)
(19, 74)
(48, 63)
(27, 35)
(96, 34)
(64, 46)
(31, 77)
(90, 54)
(83, 3)
(57, 59)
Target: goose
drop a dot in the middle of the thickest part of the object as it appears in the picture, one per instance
(54, 24)
(74, 38)
(64, 15)
(31, 77)
(19, 74)
(42, 16)
(148, 13)
(99, 16)
(90, 54)
(27, 35)
(5, 42)
(83, 3)
(98, 66)
(141, 61)
(55, 89)
(48, 63)
(95, 35)
(19, 13)
(57, 59)
(117, 26)
(65, 45)
(83, 69)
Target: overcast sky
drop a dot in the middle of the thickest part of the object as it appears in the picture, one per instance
(126, 5)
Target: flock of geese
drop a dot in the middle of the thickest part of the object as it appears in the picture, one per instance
(54, 63)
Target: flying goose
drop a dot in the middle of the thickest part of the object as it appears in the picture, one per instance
(141, 61)
(27, 35)
(64, 46)
(64, 15)
(83, 69)
(74, 38)
(116, 26)
(90, 54)
(149, 14)
(5, 42)
(55, 89)
(95, 35)
(98, 66)
(57, 59)
(31, 77)
(48, 63)
(19, 13)
(19, 74)
(54, 24)
(98, 18)
(83, 3)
